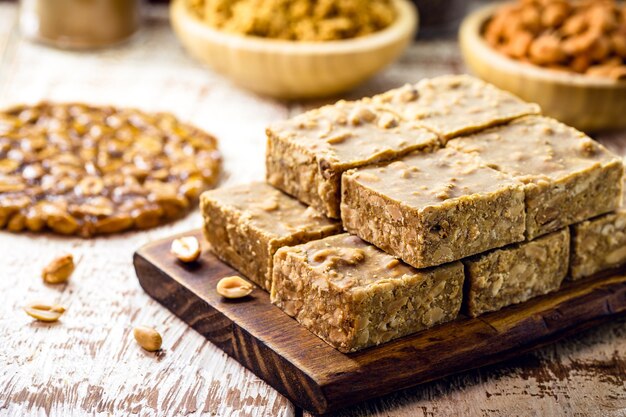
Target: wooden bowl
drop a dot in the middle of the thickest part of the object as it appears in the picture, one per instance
(588, 103)
(293, 69)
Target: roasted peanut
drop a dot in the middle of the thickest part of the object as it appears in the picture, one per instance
(148, 338)
(16, 223)
(301, 21)
(494, 33)
(186, 249)
(192, 187)
(271, 204)
(575, 25)
(618, 43)
(618, 73)
(338, 138)
(546, 49)
(234, 287)
(581, 63)
(7, 166)
(617, 256)
(554, 14)
(147, 216)
(600, 70)
(387, 121)
(392, 264)
(531, 18)
(59, 270)
(518, 46)
(62, 223)
(334, 257)
(602, 18)
(585, 37)
(44, 312)
(361, 114)
(114, 224)
(90, 186)
(600, 49)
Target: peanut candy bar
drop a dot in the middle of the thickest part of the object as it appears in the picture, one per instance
(452, 105)
(429, 209)
(516, 273)
(246, 225)
(306, 155)
(353, 295)
(598, 244)
(568, 176)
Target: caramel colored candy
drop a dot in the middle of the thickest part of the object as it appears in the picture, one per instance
(125, 169)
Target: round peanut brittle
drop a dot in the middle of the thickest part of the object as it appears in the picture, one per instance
(84, 170)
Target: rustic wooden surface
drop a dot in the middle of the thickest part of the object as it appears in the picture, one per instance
(88, 364)
(318, 378)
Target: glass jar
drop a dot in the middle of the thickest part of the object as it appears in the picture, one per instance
(79, 24)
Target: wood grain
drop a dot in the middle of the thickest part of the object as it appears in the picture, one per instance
(318, 378)
(89, 365)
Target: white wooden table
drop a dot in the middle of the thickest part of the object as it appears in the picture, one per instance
(89, 364)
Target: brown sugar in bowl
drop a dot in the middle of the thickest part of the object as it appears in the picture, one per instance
(587, 103)
(295, 69)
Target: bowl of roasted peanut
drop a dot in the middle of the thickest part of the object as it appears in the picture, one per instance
(299, 49)
(567, 56)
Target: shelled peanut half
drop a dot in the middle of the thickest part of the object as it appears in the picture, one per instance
(584, 36)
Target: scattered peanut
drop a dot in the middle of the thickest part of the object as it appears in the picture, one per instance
(584, 37)
(234, 287)
(186, 249)
(44, 312)
(148, 338)
(59, 270)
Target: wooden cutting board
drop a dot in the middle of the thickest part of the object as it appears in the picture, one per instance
(320, 379)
